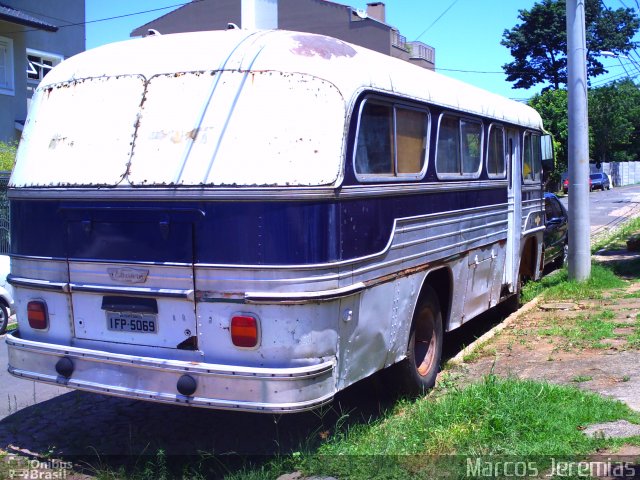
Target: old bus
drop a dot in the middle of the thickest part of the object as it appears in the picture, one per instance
(255, 220)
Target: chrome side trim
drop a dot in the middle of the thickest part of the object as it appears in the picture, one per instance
(303, 297)
(135, 291)
(37, 284)
(301, 193)
(226, 387)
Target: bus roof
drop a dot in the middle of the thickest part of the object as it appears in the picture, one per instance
(350, 68)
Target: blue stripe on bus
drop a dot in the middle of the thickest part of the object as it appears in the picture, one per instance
(224, 232)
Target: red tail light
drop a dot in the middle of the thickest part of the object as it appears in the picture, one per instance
(37, 315)
(244, 331)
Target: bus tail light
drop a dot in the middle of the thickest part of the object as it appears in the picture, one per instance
(37, 315)
(244, 331)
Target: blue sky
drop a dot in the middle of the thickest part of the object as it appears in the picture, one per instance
(465, 33)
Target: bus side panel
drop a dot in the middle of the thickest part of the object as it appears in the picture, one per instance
(374, 332)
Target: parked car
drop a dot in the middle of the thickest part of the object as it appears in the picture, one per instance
(556, 234)
(565, 185)
(6, 294)
(599, 180)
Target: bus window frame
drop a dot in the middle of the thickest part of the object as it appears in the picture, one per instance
(394, 104)
(537, 178)
(460, 176)
(503, 175)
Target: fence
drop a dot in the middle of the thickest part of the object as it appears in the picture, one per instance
(621, 173)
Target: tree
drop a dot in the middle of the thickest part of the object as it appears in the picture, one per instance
(552, 106)
(539, 44)
(614, 116)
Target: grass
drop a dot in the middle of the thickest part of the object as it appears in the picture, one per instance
(581, 378)
(617, 241)
(559, 287)
(582, 331)
(495, 417)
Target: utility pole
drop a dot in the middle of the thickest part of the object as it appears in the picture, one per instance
(579, 245)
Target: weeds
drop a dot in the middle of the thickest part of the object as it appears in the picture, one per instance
(617, 240)
(559, 287)
(493, 417)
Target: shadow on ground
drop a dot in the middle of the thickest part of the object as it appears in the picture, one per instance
(102, 433)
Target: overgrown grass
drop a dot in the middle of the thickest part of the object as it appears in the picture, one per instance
(617, 240)
(559, 287)
(582, 331)
(500, 417)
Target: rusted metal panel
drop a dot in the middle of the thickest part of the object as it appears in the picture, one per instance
(79, 133)
(239, 128)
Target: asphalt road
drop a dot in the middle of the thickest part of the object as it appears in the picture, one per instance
(611, 207)
(15, 393)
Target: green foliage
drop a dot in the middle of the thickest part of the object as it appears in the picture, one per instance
(539, 44)
(7, 155)
(552, 106)
(614, 116)
(614, 122)
(558, 286)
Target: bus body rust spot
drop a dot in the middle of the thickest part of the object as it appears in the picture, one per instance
(325, 47)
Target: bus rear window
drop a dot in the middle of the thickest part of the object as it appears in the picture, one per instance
(391, 142)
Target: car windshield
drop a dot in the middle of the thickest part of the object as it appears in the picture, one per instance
(595, 176)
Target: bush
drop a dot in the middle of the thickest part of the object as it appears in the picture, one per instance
(7, 155)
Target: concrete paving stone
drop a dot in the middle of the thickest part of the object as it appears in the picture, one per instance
(617, 429)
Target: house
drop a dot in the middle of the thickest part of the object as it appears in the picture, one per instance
(365, 28)
(34, 37)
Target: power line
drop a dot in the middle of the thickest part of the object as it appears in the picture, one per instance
(86, 22)
(436, 20)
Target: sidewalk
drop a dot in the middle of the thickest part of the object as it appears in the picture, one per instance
(591, 344)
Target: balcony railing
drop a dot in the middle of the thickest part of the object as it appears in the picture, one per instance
(398, 41)
(419, 50)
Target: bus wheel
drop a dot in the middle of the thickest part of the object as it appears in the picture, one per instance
(419, 370)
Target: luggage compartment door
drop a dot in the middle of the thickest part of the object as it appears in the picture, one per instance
(132, 280)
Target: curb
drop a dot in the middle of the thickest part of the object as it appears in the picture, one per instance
(459, 358)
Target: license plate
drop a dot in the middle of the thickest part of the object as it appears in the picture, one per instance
(132, 322)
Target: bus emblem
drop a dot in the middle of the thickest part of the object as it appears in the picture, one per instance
(128, 275)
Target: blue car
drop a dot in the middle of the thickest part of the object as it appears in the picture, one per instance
(599, 180)
(556, 234)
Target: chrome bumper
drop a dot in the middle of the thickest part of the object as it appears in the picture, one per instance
(223, 387)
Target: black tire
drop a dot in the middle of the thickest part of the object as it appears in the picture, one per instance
(4, 319)
(417, 373)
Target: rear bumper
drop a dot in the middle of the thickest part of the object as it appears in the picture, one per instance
(153, 379)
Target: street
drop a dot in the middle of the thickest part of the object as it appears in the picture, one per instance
(609, 208)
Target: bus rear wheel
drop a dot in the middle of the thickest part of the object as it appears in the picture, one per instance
(417, 373)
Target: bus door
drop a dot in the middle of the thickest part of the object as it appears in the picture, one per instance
(514, 209)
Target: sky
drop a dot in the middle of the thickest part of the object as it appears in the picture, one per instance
(465, 33)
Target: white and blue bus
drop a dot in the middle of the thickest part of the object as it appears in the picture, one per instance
(255, 220)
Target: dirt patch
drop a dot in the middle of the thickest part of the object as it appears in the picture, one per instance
(589, 344)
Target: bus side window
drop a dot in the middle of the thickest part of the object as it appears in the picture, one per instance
(459, 147)
(471, 146)
(448, 159)
(411, 139)
(532, 158)
(374, 154)
(392, 141)
(496, 155)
